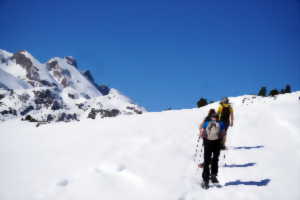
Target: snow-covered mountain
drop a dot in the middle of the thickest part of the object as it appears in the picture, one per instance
(55, 90)
(150, 156)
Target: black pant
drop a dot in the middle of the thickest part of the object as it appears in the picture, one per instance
(211, 156)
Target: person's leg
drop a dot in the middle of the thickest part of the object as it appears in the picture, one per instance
(207, 159)
(223, 142)
(215, 158)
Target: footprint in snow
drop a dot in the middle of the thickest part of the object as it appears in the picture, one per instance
(63, 183)
(120, 171)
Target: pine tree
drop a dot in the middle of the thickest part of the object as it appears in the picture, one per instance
(273, 92)
(201, 102)
(262, 92)
(287, 89)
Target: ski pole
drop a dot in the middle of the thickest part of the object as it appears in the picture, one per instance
(196, 150)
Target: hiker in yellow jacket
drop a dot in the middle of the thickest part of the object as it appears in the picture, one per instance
(225, 114)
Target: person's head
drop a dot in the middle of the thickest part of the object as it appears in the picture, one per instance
(213, 116)
(225, 100)
(211, 112)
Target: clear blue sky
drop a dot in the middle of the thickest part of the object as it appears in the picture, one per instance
(164, 53)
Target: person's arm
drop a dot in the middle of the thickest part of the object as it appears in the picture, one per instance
(200, 126)
(202, 129)
(219, 112)
(223, 132)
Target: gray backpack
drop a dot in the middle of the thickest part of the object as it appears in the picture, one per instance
(213, 130)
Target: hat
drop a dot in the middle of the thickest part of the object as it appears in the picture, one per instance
(225, 100)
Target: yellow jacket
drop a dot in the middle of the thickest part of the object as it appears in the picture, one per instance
(220, 109)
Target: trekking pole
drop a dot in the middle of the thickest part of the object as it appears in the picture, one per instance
(196, 150)
(224, 159)
(199, 161)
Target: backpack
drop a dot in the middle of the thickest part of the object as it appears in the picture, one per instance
(213, 130)
(225, 113)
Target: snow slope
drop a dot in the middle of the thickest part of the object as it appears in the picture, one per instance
(7, 81)
(150, 156)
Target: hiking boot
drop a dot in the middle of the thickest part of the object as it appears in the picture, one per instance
(214, 179)
(223, 147)
(205, 185)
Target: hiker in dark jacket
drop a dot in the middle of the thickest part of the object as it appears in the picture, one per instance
(207, 118)
(212, 133)
(225, 114)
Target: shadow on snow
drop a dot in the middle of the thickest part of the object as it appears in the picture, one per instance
(249, 147)
(240, 165)
(263, 182)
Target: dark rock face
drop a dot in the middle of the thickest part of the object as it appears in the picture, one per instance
(22, 60)
(26, 63)
(27, 110)
(46, 83)
(10, 111)
(56, 106)
(44, 97)
(72, 96)
(2, 96)
(71, 61)
(67, 117)
(48, 98)
(87, 74)
(30, 118)
(52, 65)
(85, 96)
(134, 109)
(92, 114)
(103, 113)
(3, 60)
(65, 82)
(24, 97)
(62, 75)
(103, 89)
(83, 107)
(50, 118)
(66, 72)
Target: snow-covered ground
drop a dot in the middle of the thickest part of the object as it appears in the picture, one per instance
(150, 156)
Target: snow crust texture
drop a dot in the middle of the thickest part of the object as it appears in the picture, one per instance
(150, 156)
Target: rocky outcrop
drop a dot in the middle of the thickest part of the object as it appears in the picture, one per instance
(88, 75)
(67, 117)
(9, 111)
(103, 113)
(26, 63)
(103, 89)
(71, 61)
(137, 111)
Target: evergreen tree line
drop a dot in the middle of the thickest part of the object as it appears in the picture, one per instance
(262, 92)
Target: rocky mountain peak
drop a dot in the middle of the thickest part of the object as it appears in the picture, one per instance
(71, 61)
